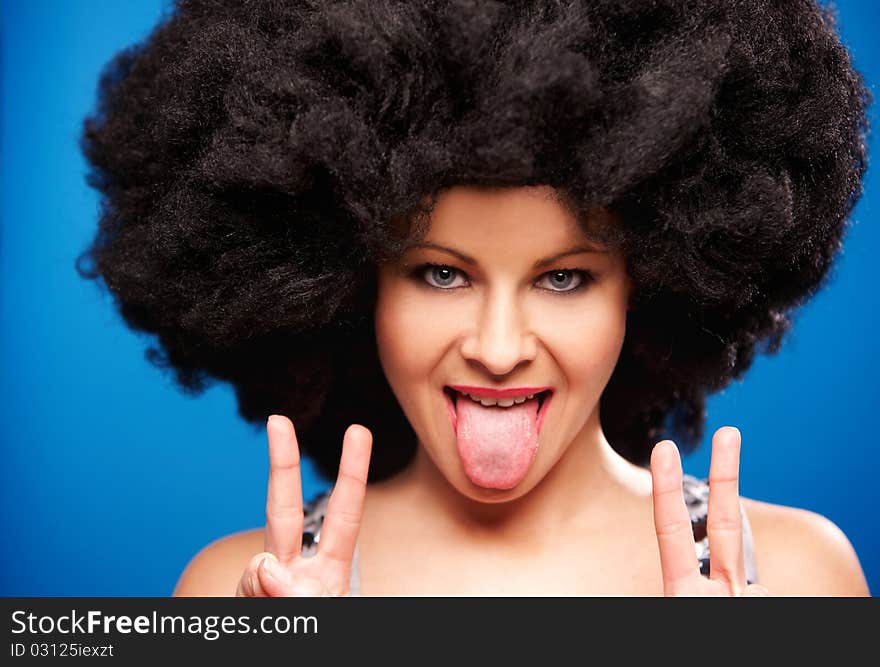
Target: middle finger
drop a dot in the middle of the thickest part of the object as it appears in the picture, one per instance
(672, 523)
(345, 506)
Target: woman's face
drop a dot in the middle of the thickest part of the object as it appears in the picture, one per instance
(504, 293)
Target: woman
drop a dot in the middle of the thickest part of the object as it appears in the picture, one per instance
(400, 218)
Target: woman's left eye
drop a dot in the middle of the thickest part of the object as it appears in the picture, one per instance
(560, 280)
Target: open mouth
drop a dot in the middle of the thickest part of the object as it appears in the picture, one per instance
(453, 396)
(496, 439)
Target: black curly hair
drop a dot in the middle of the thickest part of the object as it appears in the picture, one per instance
(254, 158)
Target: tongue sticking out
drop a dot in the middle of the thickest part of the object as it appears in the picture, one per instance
(496, 444)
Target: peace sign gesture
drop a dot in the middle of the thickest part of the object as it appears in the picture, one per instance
(281, 569)
(675, 537)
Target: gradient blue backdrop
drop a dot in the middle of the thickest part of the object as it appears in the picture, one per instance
(111, 479)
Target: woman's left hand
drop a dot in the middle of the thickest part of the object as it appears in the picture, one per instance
(675, 537)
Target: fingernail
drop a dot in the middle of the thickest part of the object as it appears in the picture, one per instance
(275, 571)
(277, 424)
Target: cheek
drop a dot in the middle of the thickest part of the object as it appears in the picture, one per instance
(586, 344)
(411, 337)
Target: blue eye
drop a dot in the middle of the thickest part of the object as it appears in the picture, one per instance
(442, 276)
(439, 275)
(561, 280)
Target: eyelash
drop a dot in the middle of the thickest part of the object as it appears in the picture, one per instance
(418, 273)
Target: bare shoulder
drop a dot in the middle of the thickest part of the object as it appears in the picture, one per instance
(216, 569)
(801, 553)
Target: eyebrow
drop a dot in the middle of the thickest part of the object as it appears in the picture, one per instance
(541, 263)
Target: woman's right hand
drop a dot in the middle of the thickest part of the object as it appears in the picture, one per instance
(281, 569)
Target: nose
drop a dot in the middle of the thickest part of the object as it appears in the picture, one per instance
(499, 338)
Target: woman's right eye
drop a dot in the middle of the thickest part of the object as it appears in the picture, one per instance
(440, 276)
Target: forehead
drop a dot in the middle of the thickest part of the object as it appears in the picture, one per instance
(530, 216)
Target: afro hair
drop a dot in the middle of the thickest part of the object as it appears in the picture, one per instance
(253, 158)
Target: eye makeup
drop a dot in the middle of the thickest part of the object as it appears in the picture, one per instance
(419, 273)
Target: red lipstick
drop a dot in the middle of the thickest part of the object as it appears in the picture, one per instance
(488, 392)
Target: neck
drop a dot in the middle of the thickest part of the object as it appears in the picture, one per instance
(588, 479)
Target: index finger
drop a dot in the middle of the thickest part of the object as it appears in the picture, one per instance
(724, 521)
(675, 534)
(284, 504)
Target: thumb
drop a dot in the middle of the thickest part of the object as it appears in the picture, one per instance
(274, 577)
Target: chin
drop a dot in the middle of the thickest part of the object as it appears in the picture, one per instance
(496, 492)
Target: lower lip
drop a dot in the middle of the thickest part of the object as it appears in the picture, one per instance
(450, 406)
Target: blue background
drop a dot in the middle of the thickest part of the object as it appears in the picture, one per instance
(111, 479)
